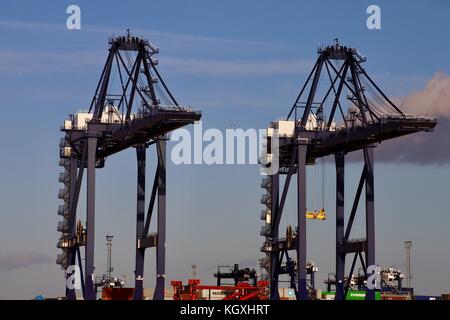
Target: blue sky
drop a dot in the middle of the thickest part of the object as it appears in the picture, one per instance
(242, 64)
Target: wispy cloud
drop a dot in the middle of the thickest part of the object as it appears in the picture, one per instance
(20, 62)
(30, 25)
(158, 36)
(34, 62)
(14, 261)
(178, 46)
(215, 67)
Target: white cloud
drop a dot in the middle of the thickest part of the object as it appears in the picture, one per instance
(423, 148)
(432, 100)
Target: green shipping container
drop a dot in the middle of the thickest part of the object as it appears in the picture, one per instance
(351, 295)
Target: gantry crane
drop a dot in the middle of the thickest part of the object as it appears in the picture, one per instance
(318, 125)
(136, 111)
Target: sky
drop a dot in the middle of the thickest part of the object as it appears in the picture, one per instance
(242, 63)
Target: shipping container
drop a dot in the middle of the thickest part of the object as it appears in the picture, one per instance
(213, 294)
(351, 295)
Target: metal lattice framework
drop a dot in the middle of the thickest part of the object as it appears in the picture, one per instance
(115, 122)
(322, 127)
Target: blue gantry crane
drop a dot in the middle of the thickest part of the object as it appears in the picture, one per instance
(114, 122)
(339, 110)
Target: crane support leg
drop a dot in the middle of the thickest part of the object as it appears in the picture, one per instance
(370, 215)
(274, 269)
(275, 257)
(301, 211)
(161, 226)
(71, 253)
(90, 293)
(140, 216)
(340, 257)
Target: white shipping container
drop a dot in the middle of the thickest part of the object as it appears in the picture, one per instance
(207, 294)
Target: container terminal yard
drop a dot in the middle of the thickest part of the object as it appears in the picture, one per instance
(339, 111)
